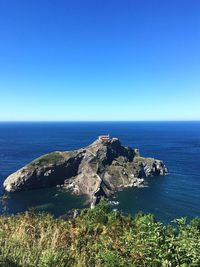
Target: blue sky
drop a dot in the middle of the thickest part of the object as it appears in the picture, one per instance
(99, 60)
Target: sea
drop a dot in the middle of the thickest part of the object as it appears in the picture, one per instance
(167, 197)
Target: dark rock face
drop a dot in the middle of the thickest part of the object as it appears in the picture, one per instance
(97, 170)
(35, 176)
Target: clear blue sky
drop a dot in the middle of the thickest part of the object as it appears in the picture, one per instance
(99, 60)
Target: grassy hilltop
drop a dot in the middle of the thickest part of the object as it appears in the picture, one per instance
(97, 237)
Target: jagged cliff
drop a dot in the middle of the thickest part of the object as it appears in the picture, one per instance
(96, 170)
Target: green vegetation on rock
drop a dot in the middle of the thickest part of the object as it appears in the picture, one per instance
(51, 158)
(97, 237)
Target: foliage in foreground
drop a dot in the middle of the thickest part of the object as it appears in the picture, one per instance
(97, 237)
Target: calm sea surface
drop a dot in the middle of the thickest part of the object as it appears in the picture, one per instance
(176, 143)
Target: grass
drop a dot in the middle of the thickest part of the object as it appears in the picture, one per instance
(51, 158)
(97, 237)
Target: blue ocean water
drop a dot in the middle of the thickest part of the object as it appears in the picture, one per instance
(168, 197)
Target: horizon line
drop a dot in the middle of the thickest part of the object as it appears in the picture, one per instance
(46, 121)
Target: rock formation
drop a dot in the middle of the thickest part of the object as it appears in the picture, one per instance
(97, 170)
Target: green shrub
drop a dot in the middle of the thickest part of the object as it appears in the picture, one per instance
(97, 237)
(51, 158)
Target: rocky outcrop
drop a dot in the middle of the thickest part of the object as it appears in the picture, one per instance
(97, 170)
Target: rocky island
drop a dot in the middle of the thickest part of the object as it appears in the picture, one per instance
(97, 170)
